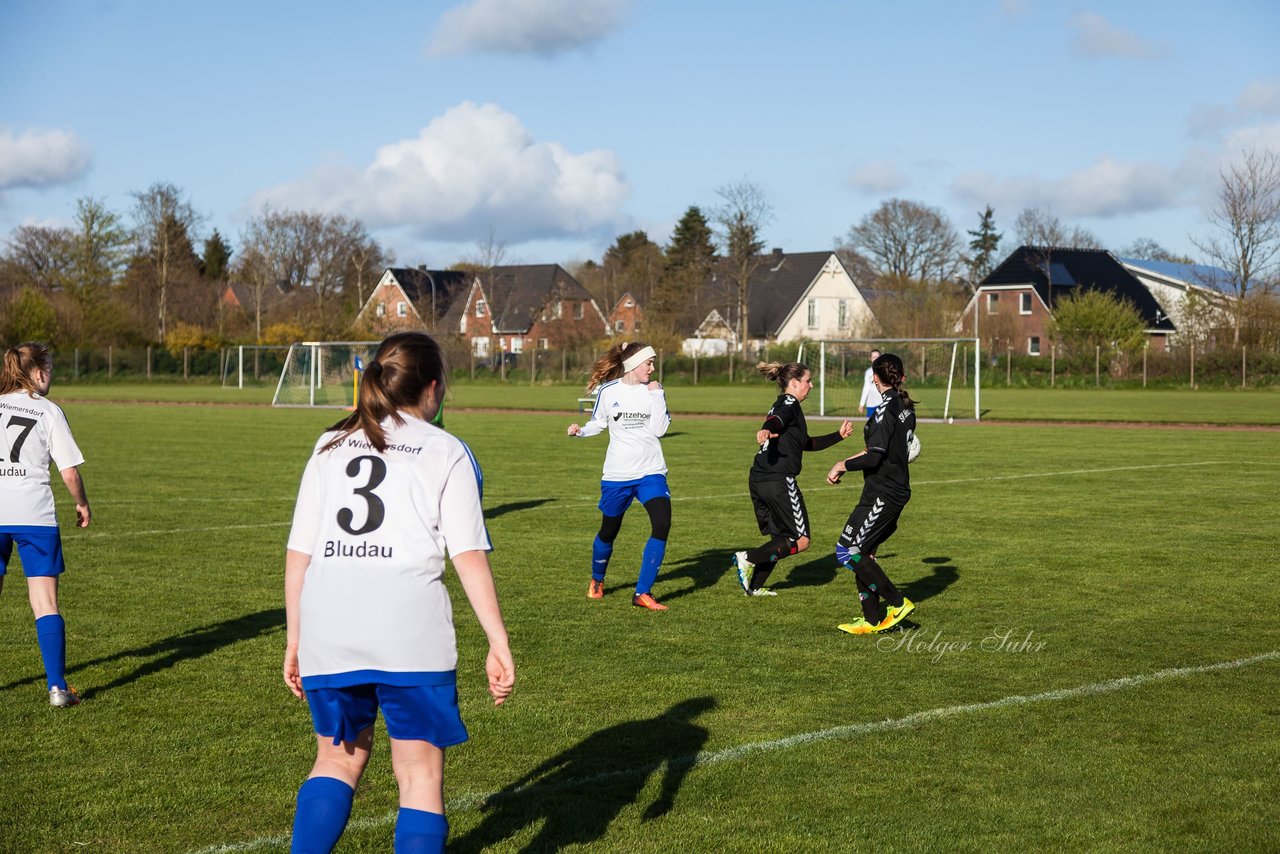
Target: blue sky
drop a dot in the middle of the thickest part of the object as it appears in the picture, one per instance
(552, 126)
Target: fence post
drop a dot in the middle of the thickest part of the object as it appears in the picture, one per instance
(75, 371)
(148, 363)
(1145, 347)
(564, 364)
(731, 352)
(110, 361)
(661, 361)
(1193, 364)
(1008, 366)
(186, 363)
(1053, 364)
(695, 363)
(1243, 348)
(1097, 366)
(533, 367)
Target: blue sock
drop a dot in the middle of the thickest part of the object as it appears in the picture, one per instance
(654, 552)
(324, 805)
(420, 832)
(600, 554)
(51, 634)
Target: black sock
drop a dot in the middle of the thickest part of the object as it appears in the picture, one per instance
(880, 582)
(760, 575)
(771, 552)
(872, 611)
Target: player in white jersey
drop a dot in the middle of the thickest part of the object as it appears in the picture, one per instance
(36, 433)
(369, 623)
(633, 408)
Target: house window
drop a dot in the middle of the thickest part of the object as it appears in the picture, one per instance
(1033, 345)
(628, 303)
(517, 345)
(619, 326)
(842, 320)
(542, 343)
(993, 303)
(479, 308)
(813, 314)
(480, 347)
(402, 309)
(578, 310)
(1024, 304)
(381, 310)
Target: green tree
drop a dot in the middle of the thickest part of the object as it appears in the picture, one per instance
(215, 261)
(633, 263)
(983, 246)
(100, 246)
(29, 317)
(689, 260)
(1096, 319)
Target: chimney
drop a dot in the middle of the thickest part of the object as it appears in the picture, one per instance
(777, 253)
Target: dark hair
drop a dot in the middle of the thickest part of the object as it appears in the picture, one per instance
(888, 368)
(20, 362)
(609, 366)
(397, 377)
(782, 372)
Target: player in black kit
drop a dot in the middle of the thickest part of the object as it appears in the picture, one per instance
(779, 506)
(886, 489)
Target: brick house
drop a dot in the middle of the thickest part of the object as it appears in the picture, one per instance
(627, 316)
(515, 308)
(411, 299)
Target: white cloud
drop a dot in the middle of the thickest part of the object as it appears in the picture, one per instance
(877, 178)
(543, 27)
(1258, 100)
(36, 158)
(1096, 36)
(474, 168)
(1108, 188)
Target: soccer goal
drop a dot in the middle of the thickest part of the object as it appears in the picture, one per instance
(322, 373)
(942, 374)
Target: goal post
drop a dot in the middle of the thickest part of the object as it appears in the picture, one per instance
(322, 373)
(943, 374)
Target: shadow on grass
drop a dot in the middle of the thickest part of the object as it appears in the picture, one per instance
(703, 570)
(577, 794)
(823, 570)
(164, 654)
(515, 507)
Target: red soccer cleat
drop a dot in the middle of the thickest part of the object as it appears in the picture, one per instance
(595, 590)
(646, 600)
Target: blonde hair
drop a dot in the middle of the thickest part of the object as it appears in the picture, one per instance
(609, 366)
(399, 374)
(782, 372)
(20, 363)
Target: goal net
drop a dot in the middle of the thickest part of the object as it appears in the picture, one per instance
(322, 373)
(942, 374)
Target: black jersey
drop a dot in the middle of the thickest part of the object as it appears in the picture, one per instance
(884, 467)
(781, 457)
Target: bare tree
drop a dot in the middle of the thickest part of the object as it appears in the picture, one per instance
(740, 219)
(908, 240)
(164, 223)
(1040, 227)
(38, 256)
(1245, 241)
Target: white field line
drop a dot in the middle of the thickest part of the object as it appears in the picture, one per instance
(730, 754)
(560, 504)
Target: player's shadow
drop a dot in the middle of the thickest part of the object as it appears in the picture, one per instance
(943, 576)
(515, 506)
(164, 654)
(812, 573)
(699, 572)
(578, 794)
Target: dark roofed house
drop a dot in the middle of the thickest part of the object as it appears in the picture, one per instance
(514, 308)
(1014, 304)
(801, 295)
(412, 299)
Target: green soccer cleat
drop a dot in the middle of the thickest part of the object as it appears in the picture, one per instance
(857, 627)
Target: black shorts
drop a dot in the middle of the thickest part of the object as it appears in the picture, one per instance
(780, 510)
(871, 523)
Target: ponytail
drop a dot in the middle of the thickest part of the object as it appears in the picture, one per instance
(782, 372)
(609, 366)
(20, 363)
(889, 370)
(395, 379)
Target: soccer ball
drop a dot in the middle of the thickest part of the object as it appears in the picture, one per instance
(913, 446)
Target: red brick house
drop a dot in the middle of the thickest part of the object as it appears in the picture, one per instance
(627, 316)
(515, 308)
(411, 299)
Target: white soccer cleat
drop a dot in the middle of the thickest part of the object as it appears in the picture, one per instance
(62, 698)
(744, 570)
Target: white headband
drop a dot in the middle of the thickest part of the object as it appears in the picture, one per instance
(638, 358)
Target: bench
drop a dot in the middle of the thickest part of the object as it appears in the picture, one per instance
(586, 404)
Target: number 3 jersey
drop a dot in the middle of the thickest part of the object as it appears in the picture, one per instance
(374, 606)
(35, 431)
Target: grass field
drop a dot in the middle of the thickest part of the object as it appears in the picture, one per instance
(1096, 665)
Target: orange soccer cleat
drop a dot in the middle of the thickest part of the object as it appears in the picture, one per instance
(646, 600)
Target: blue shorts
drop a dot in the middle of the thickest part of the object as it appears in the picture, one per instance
(422, 713)
(39, 548)
(616, 495)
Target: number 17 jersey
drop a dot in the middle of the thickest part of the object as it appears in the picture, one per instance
(374, 607)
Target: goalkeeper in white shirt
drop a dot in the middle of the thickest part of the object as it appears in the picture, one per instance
(632, 407)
